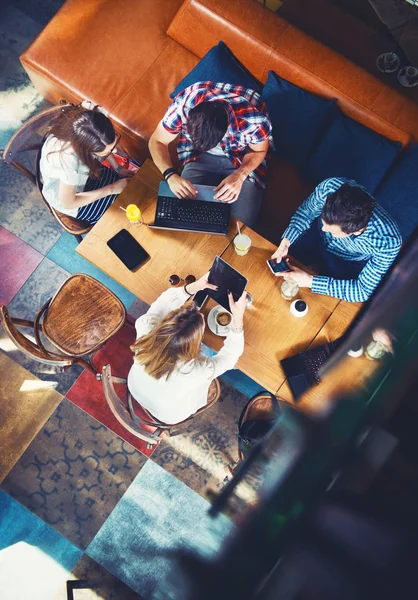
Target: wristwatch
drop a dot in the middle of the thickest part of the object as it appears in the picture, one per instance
(118, 169)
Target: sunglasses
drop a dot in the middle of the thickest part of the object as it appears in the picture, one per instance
(118, 137)
(175, 279)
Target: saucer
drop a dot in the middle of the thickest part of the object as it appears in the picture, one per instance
(211, 320)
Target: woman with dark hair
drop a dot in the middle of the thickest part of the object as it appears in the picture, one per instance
(74, 181)
(170, 376)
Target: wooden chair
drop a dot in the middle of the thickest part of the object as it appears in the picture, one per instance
(78, 321)
(18, 146)
(139, 421)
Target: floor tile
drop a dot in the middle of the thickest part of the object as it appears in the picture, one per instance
(41, 285)
(105, 586)
(35, 560)
(138, 308)
(17, 29)
(41, 11)
(26, 403)
(87, 392)
(199, 453)
(18, 261)
(22, 210)
(156, 517)
(63, 254)
(73, 473)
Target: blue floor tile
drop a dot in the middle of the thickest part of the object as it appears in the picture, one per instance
(64, 254)
(35, 559)
(168, 516)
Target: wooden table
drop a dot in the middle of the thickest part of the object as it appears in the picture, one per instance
(171, 251)
(271, 332)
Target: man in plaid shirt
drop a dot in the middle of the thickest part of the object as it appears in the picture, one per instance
(346, 236)
(224, 135)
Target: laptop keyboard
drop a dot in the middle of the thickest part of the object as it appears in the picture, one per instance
(188, 211)
(313, 363)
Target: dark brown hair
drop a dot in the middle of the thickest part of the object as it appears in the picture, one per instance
(207, 124)
(87, 131)
(176, 339)
(350, 207)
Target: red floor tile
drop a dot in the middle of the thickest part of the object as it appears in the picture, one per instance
(17, 263)
(87, 392)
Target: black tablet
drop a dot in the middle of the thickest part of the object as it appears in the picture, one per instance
(128, 250)
(228, 280)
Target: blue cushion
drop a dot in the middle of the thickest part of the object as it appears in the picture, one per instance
(398, 193)
(348, 149)
(219, 65)
(298, 118)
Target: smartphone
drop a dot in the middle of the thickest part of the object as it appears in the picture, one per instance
(128, 250)
(277, 267)
(200, 299)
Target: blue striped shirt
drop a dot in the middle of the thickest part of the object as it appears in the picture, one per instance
(378, 244)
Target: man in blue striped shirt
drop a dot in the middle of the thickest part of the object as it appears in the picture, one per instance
(346, 236)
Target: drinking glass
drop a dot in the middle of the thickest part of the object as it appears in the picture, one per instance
(134, 215)
(289, 289)
(375, 350)
(242, 244)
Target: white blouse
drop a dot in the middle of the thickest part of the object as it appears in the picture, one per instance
(58, 163)
(175, 398)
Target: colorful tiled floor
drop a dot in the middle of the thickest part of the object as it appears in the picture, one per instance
(72, 478)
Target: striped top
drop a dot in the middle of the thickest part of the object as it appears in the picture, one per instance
(249, 122)
(378, 244)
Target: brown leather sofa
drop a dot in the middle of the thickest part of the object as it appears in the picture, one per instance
(128, 57)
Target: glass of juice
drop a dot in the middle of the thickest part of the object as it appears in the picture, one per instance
(242, 244)
(134, 215)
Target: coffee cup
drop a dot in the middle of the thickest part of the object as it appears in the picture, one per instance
(223, 321)
(298, 308)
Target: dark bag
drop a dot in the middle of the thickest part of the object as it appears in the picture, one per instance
(251, 431)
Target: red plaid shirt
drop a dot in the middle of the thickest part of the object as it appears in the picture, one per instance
(249, 122)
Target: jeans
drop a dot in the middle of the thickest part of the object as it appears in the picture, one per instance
(310, 250)
(211, 169)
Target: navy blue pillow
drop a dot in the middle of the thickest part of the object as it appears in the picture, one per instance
(398, 194)
(297, 116)
(348, 149)
(220, 65)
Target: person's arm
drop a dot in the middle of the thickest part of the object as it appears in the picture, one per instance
(361, 288)
(69, 198)
(168, 301)
(233, 346)
(230, 187)
(304, 216)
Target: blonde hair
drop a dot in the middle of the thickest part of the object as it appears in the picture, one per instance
(177, 338)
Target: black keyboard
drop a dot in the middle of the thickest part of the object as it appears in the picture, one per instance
(313, 363)
(199, 215)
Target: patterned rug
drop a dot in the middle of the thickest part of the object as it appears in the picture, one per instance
(73, 474)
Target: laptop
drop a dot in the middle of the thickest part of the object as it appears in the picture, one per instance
(302, 370)
(202, 215)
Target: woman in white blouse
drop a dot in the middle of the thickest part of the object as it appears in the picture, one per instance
(170, 377)
(74, 180)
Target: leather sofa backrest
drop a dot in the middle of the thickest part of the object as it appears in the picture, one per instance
(264, 41)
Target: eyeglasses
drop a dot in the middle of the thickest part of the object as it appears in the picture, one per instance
(175, 279)
(113, 147)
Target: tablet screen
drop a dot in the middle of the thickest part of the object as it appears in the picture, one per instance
(228, 280)
(127, 249)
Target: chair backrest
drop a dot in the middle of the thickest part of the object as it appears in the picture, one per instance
(26, 345)
(121, 412)
(17, 145)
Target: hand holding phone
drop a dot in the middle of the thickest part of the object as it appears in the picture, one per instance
(277, 267)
